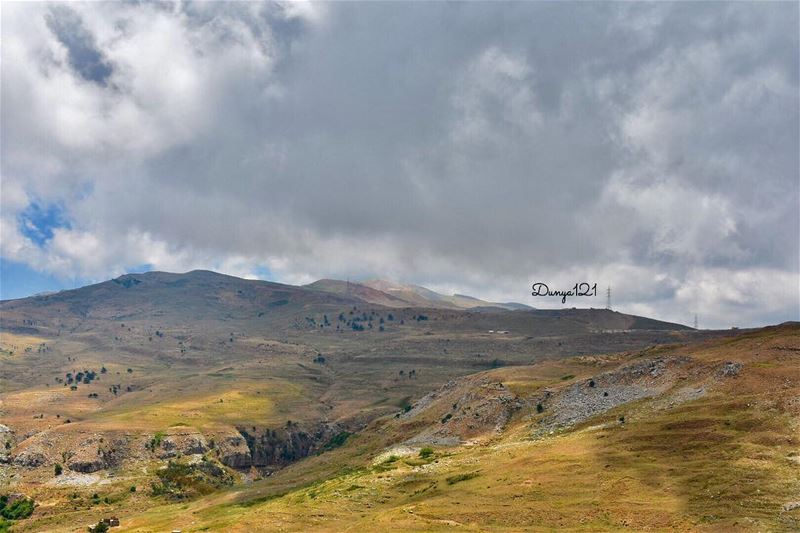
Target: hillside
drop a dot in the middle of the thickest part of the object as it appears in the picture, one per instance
(695, 438)
(185, 385)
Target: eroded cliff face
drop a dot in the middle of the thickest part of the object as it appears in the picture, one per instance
(233, 451)
(273, 447)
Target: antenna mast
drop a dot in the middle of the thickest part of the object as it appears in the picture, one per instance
(608, 298)
(695, 321)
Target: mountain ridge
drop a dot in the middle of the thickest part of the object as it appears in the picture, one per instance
(208, 295)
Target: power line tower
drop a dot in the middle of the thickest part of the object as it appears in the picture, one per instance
(608, 298)
(695, 321)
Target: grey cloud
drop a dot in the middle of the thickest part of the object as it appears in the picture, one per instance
(473, 145)
(84, 56)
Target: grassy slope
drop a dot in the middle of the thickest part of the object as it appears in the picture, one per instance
(720, 462)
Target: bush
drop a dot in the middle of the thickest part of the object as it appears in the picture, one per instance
(539, 408)
(182, 481)
(57, 469)
(426, 452)
(461, 477)
(17, 510)
(101, 527)
(155, 442)
(337, 440)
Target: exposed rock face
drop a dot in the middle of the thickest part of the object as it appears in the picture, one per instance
(601, 393)
(271, 447)
(187, 443)
(279, 447)
(87, 459)
(643, 379)
(31, 457)
(233, 451)
(94, 454)
(472, 408)
(6, 442)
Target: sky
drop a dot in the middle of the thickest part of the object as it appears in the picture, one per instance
(474, 148)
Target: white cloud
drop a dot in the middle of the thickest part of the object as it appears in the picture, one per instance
(654, 150)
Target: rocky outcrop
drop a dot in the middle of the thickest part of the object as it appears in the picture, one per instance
(730, 369)
(86, 460)
(281, 446)
(31, 457)
(6, 443)
(601, 393)
(466, 409)
(234, 452)
(271, 447)
(95, 453)
(184, 443)
(643, 379)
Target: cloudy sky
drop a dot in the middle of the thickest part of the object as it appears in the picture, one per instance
(469, 147)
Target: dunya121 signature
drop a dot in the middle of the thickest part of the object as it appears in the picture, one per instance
(580, 289)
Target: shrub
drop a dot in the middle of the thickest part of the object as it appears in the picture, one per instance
(461, 477)
(539, 408)
(181, 481)
(337, 440)
(155, 442)
(58, 469)
(426, 452)
(19, 509)
(101, 527)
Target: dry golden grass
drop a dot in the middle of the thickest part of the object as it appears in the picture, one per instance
(16, 344)
(722, 462)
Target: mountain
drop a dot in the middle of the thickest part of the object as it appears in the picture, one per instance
(363, 292)
(204, 297)
(208, 389)
(383, 292)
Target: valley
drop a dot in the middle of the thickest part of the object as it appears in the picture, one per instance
(204, 402)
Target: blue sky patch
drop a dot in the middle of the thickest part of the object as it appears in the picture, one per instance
(38, 221)
(18, 280)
